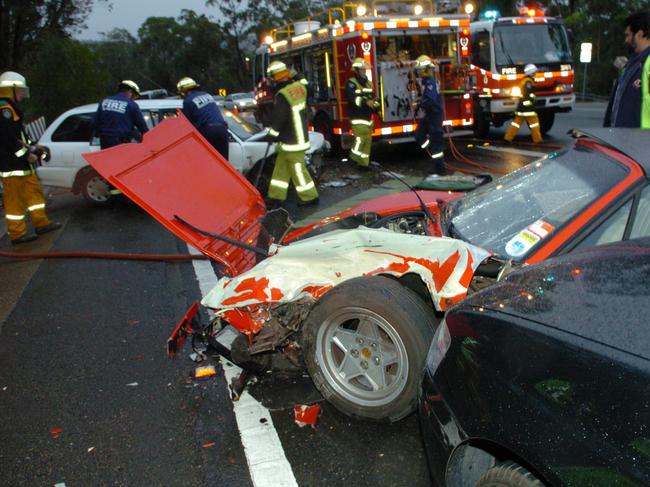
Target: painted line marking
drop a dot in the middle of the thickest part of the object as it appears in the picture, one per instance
(265, 456)
(512, 150)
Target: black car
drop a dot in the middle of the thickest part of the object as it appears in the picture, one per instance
(544, 378)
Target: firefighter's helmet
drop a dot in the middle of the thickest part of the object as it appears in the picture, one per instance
(530, 69)
(186, 84)
(360, 63)
(127, 84)
(12, 82)
(423, 62)
(277, 67)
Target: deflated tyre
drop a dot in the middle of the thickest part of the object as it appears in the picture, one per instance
(365, 345)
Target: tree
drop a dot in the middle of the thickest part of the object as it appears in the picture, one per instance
(24, 22)
(62, 73)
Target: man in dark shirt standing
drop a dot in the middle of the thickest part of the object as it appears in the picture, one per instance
(629, 105)
(118, 114)
(202, 111)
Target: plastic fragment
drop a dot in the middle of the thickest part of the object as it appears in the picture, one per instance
(305, 415)
(204, 372)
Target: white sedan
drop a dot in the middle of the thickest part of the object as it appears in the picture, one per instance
(72, 134)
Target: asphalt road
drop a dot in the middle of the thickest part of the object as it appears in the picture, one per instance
(89, 398)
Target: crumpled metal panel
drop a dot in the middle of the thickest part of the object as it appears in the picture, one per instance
(175, 171)
(313, 266)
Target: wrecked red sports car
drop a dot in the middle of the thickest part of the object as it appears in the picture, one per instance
(359, 306)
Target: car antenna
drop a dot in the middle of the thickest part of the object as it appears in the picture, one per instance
(424, 207)
(223, 238)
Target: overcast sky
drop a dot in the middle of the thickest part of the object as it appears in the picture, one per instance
(130, 14)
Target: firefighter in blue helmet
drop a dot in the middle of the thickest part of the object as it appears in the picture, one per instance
(361, 105)
(201, 109)
(118, 115)
(429, 132)
(289, 128)
(18, 156)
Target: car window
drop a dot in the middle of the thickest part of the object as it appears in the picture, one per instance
(75, 128)
(546, 194)
(240, 127)
(611, 230)
(641, 226)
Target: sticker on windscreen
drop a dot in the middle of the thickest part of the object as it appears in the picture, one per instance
(525, 240)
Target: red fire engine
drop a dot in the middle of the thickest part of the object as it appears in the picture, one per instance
(390, 38)
(501, 49)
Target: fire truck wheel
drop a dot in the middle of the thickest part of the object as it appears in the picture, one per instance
(481, 123)
(546, 120)
(323, 124)
(365, 343)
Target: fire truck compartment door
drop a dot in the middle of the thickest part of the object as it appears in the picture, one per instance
(175, 171)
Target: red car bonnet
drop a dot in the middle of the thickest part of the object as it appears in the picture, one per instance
(175, 171)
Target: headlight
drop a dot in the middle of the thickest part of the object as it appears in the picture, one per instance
(439, 346)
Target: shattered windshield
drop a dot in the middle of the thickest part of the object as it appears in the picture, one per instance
(518, 45)
(238, 126)
(512, 214)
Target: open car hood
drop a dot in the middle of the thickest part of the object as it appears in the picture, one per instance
(175, 171)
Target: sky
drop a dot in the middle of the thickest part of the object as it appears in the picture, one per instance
(130, 14)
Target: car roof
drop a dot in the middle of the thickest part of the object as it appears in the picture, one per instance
(601, 293)
(144, 104)
(632, 142)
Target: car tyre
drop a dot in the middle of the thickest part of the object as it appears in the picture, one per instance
(95, 189)
(508, 474)
(377, 329)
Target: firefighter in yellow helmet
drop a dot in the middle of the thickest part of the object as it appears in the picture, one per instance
(18, 156)
(289, 129)
(361, 105)
(525, 111)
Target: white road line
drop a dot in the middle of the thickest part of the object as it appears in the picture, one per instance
(267, 462)
(512, 150)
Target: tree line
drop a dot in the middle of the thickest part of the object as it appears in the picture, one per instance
(38, 40)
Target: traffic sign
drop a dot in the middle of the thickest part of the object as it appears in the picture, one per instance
(585, 52)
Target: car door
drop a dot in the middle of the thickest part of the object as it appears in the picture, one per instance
(67, 141)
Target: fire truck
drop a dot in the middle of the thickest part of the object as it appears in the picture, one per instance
(501, 48)
(390, 36)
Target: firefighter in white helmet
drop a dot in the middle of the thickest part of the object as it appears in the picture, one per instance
(289, 129)
(361, 105)
(429, 132)
(525, 111)
(18, 156)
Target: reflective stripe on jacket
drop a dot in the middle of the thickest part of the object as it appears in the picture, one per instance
(358, 94)
(289, 119)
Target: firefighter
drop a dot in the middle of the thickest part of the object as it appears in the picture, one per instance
(526, 108)
(289, 128)
(117, 115)
(18, 156)
(429, 131)
(361, 106)
(201, 109)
